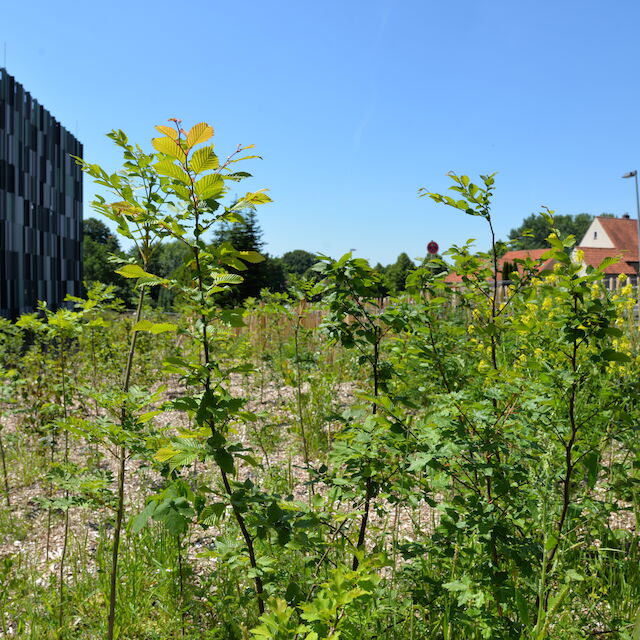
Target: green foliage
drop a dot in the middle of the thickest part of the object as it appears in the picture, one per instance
(396, 273)
(533, 232)
(99, 246)
(267, 273)
(298, 262)
(461, 462)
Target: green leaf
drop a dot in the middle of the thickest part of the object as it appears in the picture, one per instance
(170, 132)
(251, 256)
(212, 513)
(227, 278)
(209, 186)
(166, 453)
(168, 168)
(607, 262)
(573, 575)
(204, 160)
(169, 147)
(257, 197)
(142, 518)
(523, 608)
(133, 271)
(224, 460)
(154, 327)
(199, 133)
(551, 542)
(614, 356)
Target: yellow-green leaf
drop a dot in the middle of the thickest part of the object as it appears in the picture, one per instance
(168, 168)
(154, 327)
(258, 197)
(246, 158)
(169, 147)
(181, 191)
(134, 271)
(166, 453)
(228, 278)
(204, 159)
(250, 256)
(168, 131)
(145, 417)
(200, 132)
(210, 186)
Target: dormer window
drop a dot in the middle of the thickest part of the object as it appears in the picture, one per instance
(595, 235)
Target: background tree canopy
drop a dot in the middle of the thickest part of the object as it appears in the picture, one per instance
(268, 274)
(574, 224)
(298, 261)
(98, 244)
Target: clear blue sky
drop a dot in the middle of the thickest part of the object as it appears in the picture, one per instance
(354, 105)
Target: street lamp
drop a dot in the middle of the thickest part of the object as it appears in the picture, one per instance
(634, 174)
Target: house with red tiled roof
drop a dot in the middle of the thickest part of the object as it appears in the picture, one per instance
(612, 237)
(509, 258)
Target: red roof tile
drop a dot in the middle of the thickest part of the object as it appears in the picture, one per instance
(594, 257)
(510, 256)
(623, 232)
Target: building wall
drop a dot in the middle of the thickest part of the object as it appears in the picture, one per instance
(596, 237)
(40, 204)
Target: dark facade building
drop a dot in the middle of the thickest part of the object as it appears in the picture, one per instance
(40, 205)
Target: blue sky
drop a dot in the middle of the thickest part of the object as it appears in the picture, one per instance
(355, 105)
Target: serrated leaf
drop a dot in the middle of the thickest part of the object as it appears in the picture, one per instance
(210, 186)
(168, 131)
(180, 190)
(133, 271)
(166, 453)
(200, 132)
(228, 278)
(257, 197)
(168, 168)
(169, 147)
(204, 160)
(212, 513)
(154, 327)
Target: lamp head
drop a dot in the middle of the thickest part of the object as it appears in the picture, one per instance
(631, 174)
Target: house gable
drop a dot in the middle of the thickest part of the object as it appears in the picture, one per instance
(612, 238)
(597, 237)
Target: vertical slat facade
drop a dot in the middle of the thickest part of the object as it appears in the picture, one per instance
(40, 205)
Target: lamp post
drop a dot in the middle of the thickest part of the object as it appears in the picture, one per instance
(634, 174)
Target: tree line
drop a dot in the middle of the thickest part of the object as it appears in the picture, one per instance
(102, 252)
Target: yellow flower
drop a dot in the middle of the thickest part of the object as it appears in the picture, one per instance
(546, 304)
(579, 255)
(622, 277)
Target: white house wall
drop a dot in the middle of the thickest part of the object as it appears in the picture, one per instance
(596, 237)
